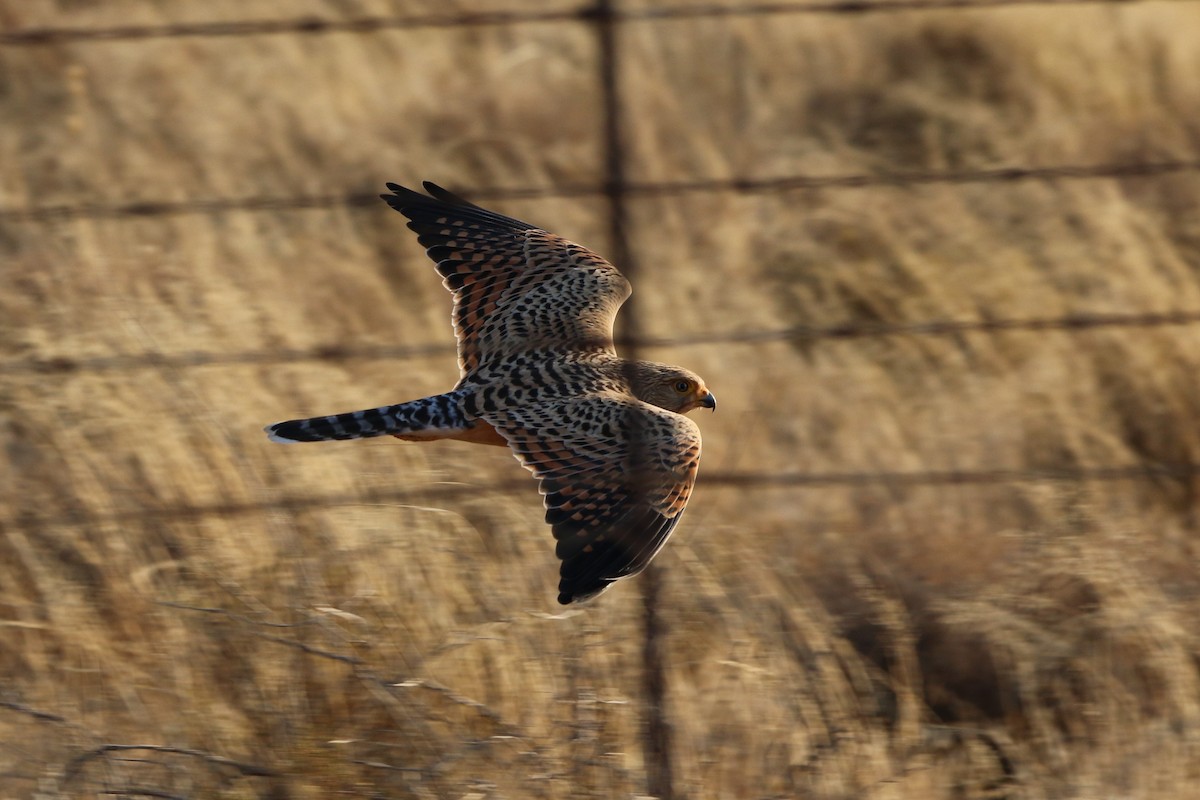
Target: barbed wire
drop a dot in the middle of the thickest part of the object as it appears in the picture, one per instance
(315, 25)
(956, 477)
(851, 7)
(168, 208)
(121, 362)
(289, 25)
(850, 330)
(766, 480)
(364, 199)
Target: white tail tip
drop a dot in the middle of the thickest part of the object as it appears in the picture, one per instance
(274, 437)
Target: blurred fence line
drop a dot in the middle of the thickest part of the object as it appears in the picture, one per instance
(311, 25)
(766, 480)
(1073, 323)
(360, 199)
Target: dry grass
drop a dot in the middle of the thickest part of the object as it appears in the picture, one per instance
(1019, 640)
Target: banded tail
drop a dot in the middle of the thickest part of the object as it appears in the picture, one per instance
(437, 417)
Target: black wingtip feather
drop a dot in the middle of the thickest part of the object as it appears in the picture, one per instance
(402, 197)
(578, 592)
(639, 534)
(450, 198)
(425, 208)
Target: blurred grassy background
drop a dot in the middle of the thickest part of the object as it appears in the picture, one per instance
(163, 583)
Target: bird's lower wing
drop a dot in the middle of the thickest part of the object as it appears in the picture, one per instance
(616, 475)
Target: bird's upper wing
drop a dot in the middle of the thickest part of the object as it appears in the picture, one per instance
(616, 474)
(516, 287)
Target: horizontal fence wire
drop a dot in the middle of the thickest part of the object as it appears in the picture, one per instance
(312, 25)
(66, 365)
(370, 199)
(766, 480)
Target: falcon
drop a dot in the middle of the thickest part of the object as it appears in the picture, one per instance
(539, 373)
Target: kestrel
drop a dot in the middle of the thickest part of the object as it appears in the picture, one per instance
(533, 316)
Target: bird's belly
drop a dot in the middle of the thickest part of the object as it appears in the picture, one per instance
(480, 433)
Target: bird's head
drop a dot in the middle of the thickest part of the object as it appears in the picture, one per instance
(673, 388)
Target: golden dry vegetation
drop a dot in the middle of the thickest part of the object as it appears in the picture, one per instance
(336, 622)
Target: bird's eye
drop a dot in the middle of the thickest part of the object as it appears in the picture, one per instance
(683, 386)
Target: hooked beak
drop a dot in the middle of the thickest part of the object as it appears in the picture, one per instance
(709, 401)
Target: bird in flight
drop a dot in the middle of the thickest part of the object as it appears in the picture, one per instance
(533, 316)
